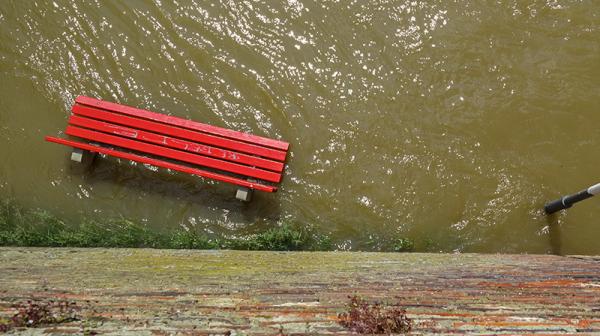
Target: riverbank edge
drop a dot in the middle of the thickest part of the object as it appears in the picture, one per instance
(36, 227)
(153, 291)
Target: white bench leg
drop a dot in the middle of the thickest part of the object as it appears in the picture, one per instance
(244, 194)
(82, 156)
(77, 155)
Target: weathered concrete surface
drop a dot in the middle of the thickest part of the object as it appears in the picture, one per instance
(143, 291)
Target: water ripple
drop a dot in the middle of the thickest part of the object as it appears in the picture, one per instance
(445, 122)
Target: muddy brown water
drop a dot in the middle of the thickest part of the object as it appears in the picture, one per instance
(446, 122)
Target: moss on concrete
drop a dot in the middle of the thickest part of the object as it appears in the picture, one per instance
(143, 291)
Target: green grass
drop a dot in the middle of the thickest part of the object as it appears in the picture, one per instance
(403, 244)
(35, 227)
(283, 238)
(20, 227)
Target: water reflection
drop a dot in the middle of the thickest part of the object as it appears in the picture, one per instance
(444, 122)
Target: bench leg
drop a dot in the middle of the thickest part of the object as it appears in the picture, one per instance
(244, 194)
(77, 155)
(82, 156)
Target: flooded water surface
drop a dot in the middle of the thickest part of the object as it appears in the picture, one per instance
(449, 123)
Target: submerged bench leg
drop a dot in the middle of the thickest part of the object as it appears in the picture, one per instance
(82, 156)
(244, 194)
(77, 155)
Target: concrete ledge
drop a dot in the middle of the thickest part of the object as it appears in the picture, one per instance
(144, 291)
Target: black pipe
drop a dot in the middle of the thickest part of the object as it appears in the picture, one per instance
(566, 202)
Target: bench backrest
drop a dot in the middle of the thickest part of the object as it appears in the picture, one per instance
(245, 155)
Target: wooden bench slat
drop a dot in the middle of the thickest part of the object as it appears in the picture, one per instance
(132, 111)
(176, 143)
(173, 154)
(179, 132)
(163, 164)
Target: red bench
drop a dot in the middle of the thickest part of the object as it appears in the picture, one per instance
(249, 161)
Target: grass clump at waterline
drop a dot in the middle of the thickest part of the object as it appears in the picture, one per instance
(284, 238)
(403, 244)
(20, 227)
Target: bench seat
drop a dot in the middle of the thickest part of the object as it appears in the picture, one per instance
(188, 146)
